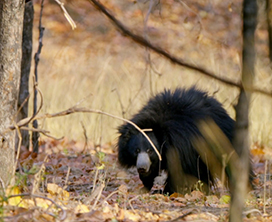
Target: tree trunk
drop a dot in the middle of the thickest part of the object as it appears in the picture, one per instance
(25, 68)
(11, 26)
(241, 140)
(269, 22)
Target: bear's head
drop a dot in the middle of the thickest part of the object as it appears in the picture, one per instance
(136, 150)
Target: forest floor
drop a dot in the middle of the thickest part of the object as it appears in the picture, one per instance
(65, 182)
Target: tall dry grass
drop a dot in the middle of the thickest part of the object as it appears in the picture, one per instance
(97, 67)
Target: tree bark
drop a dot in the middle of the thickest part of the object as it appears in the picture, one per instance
(11, 26)
(241, 138)
(269, 23)
(25, 68)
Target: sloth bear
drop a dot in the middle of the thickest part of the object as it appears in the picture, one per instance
(170, 120)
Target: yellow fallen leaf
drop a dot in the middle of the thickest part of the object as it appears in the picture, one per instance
(27, 203)
(56, 191)
(81, 208)
(39, 202)
(101, 167)
(225, 199)
(13, 190)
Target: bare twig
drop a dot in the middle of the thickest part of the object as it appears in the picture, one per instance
(26, 121)
(18, 150)
(22, 105)
(100, 189)
(67, 177)
(52, 137)
(38, 176)
(3, 187)
(44, 132)
(130, 204)
(34, 130)
(144, 42)
(85, 137)
(110, 195)
(86, 110)
(94, 180)
(253, 211)
(184, 215)
(120, 101)
(66, 14)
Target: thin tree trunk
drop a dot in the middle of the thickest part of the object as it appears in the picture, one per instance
(269, 22)
(35, 135)
(11, 26)
(25, 68)
(241, 139)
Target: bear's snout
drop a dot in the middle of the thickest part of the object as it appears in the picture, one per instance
(143, 163)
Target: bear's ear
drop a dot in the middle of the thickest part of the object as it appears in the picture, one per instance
(124, 155)
(125, 132)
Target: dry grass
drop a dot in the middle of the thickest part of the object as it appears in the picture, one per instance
(110, 73)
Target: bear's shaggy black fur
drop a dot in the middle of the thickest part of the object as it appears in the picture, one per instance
(170, 120)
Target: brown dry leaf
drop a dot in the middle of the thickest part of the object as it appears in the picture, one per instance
(27, 163)
(211, 201)
(175, 195)
(46, 217)
(25, 154)
(123, 188)
(95, 216)
(121, 175)
(181, 200)
(202, 217)
(178, 204)
(121, 215)
(56, 191)
(257, 151)
(194, 196)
